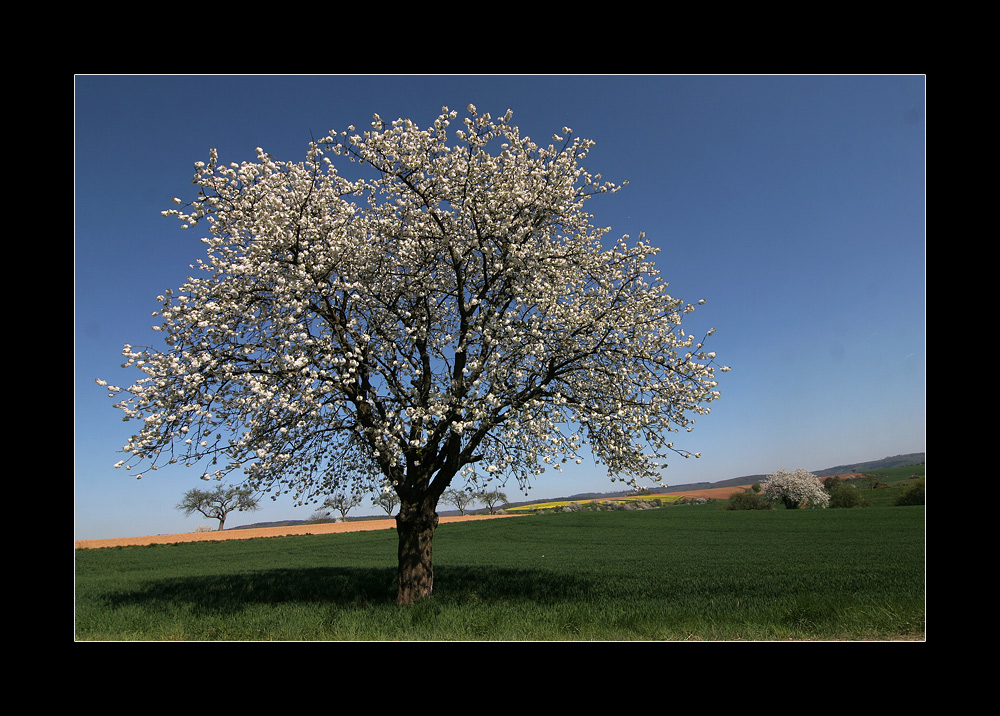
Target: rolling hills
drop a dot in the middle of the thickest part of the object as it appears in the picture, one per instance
(697, 487)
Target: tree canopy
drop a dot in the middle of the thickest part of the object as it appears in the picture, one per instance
(449, 312)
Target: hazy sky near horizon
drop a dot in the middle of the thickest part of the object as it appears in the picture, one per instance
(794, 205)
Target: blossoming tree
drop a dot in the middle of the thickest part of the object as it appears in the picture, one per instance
(448, 314)
(796, 489)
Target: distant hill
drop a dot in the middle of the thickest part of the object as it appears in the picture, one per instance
(913, 458)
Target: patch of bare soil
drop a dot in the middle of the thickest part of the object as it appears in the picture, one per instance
(318, 529)
(719, 493)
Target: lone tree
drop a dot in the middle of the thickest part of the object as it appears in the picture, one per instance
(218, 503)
(450, 313)
(797, 489)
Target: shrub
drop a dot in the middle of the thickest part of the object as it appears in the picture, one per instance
(747, 500)
(842, 494)
(913, 495)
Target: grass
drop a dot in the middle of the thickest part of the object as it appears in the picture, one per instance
(670, 574)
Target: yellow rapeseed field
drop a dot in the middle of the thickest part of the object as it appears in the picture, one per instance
(563, 503)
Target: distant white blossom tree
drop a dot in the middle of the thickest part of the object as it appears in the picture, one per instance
(797, 489)
(450, 313)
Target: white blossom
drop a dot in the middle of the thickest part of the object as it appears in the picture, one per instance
(454, 312)
(796, 489)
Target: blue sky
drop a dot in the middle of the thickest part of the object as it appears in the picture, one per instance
(795, 205)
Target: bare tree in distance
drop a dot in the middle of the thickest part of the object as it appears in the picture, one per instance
(492, 498)
(343, 502)
(387, 500)
(459, 498)
(217, 504)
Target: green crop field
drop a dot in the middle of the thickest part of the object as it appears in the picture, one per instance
(675, 573)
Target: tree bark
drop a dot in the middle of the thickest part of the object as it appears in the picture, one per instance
(415, 525)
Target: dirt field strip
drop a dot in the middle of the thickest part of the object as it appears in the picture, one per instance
(320, 529)
(719, 493)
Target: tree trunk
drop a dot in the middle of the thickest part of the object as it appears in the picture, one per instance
(415, 524)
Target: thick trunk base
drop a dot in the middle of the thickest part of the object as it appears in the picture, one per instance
(415, 525)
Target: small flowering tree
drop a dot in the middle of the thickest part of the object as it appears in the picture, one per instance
(796, 489)
(451, 313)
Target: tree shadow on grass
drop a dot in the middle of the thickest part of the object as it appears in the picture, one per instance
(339, 586)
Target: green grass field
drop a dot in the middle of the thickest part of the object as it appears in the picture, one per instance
(675, 573)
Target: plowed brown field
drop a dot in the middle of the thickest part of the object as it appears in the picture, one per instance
(320, 529)
(719, 493)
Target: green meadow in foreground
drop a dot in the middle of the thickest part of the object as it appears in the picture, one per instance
(675, 573)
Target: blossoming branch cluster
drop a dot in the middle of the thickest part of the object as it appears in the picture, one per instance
(451, 311)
